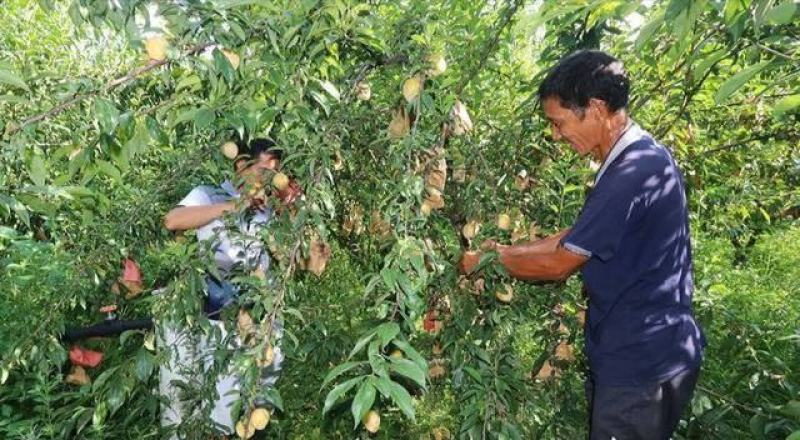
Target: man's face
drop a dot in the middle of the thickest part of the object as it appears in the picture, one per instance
(254, 173)
(583, 132)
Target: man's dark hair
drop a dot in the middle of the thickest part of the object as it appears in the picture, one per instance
(252, 150)
(587, 74)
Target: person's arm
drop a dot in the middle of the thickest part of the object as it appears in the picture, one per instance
(543, 260)
(547, 244)
(552, 265)
(192, 217)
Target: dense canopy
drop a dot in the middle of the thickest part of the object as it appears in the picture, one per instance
(415, 132)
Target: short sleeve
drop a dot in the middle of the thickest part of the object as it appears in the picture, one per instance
(604, 219)
(196, 197)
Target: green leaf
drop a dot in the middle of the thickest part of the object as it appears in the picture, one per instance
(675, 8)
(758, 425)
(273, 397)
(109, 170)
(185, 116)
(145, 363)
(224, 66)
(37, 170)
(10, 77)
(107, 114)
(794, 436)
(10, 203)
(363, 401)
(99, 415)
(331, 89)
(786, 104)
(339, 370)
(362, 343)
(229, 4)
(734, 83)
(733, 9)
(338, 392)
(411, 353)
(401, 398)
(389, 278)
(713, 58)
(408, 369)
(188, 82)
(646, 32)
(791, 410)
(137, 143)
(101, 380)
(321, 100)
(203, 118)
(474, 374)
(387, 332)
(115, 396)
(376, 361)
(782, 13)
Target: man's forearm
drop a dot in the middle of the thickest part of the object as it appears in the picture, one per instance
(192, 217)
(534, 266)
(542, 260)
(547, 244)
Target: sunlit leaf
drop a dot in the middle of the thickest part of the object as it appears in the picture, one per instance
(786, 105)
(735, 82)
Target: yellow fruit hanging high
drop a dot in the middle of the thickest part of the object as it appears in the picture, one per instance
(437, 64)
(280, 181)
(156, 48)
(363, 91)
(259, 418)
(426, 208)
(506, 294)
(372, 421)
(504, 221)
(412, 87)
(244, 429)
(470, 230)
(230, 150)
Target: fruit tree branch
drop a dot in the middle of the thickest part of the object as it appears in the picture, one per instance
(130, 76)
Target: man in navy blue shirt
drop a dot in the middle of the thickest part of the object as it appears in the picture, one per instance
(631, 244)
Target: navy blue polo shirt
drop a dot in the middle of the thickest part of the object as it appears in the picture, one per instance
(635, 229)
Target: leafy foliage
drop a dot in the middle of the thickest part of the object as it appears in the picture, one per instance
(100, 139)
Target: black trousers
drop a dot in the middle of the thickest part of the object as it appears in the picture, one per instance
(649, 412)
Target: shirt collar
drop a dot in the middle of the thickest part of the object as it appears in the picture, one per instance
(630, 134)
(228, 187)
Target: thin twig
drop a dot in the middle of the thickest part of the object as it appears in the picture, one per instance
(775, 52)
(730, 400)
(757, 137)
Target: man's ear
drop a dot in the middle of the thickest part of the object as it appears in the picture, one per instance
(598, 107)
(240, 164)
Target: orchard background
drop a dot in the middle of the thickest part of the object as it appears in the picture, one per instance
(100, 140)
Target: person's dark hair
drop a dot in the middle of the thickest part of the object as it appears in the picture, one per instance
(250, 151)
(587, 74)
